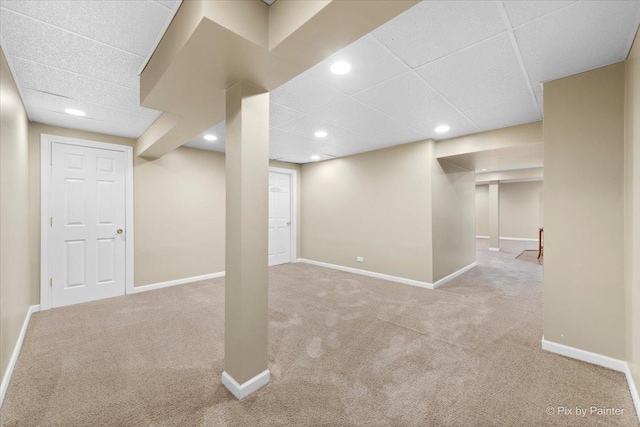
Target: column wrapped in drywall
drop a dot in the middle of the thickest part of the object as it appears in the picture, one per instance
(584, 183)
(247, 202)
(632, 211)
(494, 216)
(15, 290)
(453, 218)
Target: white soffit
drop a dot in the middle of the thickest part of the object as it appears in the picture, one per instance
(84, 55)
(473, 65)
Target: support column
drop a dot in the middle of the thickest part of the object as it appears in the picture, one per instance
(246, 282)
(494, 216)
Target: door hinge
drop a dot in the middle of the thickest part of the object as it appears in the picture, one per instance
(51, 281)
(51, 221)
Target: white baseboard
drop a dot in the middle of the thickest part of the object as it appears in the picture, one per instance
(240, 391)
(523, 239)
(494, 249)
(585, 356)
(161, 285)
(520, 239)
(369, 273)
(600, 360)
(454, 274)
(635, 396)
(16, 351)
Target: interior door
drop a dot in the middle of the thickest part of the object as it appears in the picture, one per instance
(279, 218)
(87, 243)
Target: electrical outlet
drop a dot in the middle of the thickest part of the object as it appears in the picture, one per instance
(360, 259)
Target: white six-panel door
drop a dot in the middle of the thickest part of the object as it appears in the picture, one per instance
(87, 243)
(279, 218)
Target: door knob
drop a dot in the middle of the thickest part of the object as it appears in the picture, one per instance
(119, 231)
(288, 222)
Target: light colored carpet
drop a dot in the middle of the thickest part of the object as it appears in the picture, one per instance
(344, 350)
(530, 255)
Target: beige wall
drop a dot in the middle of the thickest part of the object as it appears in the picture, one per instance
(454, 221)
(632, 209)
(179, 208)
(482, 210)
(375, 205)
(15, 292)
(584, 242)
(520, 209)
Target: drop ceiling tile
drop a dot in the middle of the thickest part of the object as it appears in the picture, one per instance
(578, 38)
(279, 114)
(129, 25)
(39, 42)
(306, 126)
(168, 3)
(486, 74)
(370, 64)
(217, 145)
(304, 93)
(408, 99)
(521, 12)
(433, 29)
(39, 77)
(95, 113)
(125, 129)
(355, 116)
(511, 113)
(400, 135)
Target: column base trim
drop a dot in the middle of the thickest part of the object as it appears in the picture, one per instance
(455, 274)
(494, 249)
(240, 391)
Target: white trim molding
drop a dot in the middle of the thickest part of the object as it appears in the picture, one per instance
(4, 385)
(494, 249)
(369, 273)
(454, 275)
(521, 239)
(635, 396)
(583, 355)
(293, 174)
(240, 391)
(597, 359)
(160, 285)
(45, 196)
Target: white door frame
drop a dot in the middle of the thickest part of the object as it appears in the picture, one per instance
(45, 209)
(293, 190)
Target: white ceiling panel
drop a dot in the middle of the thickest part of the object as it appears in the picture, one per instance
(115, 23)
(510, 113)
(355, 116)
(170, 4)
(408, 99)
(486, 74)
(580, 37)
(304, 93)
(433, 29)
(218, 145)
(39, 42)
(370, 61)
(124, 129)
(135, 124)
(306, 126)
(279, 114)
(521, 12)
(43, 78)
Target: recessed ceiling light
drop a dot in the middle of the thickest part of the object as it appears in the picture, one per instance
(315, 157)
(340, 68)
(442, 128)
(210, 137)
(75, 112)
(320, 134)
(482, 170)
